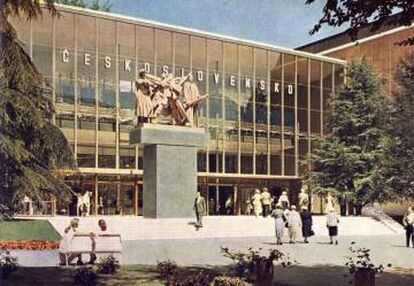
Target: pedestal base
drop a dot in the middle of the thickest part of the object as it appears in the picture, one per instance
(170, 168)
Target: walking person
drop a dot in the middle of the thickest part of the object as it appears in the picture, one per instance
(199, 209)
(266, 200)
(279, 217)
(332, 224)
(284, 200)
(229, 205)
(257, 203)
(294, 224)
(408, 222)
(306, 217)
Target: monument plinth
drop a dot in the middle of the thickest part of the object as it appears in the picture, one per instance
(170, 168)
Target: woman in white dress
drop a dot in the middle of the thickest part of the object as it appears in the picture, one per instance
(66, 240)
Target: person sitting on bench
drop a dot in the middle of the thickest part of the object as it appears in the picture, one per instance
(66, 240)
(102, 229)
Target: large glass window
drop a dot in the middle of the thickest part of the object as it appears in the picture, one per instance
(43, 45)
(231, 108)
(164, 52)
(145, 45)
(246, 109)
(315, 97)
(126, 63)
(215, 66)
(289, 114)
(275, 66)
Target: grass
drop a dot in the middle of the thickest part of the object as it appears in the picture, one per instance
(48, 276)
(28, 230)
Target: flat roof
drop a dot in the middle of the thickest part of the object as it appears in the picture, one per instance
(180, 29)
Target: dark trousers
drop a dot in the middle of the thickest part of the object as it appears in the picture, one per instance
(199, 217)
(409, 235)
(266, 209)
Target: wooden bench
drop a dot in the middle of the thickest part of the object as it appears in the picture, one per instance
(104, 244)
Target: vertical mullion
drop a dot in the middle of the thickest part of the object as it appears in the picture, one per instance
(96, 94)
(239, 109)
(207, 108)
(282, 114)
(321, 99)
(75, 83)
(296, 131)
(117, 119)
(254, 110)
(133, 86)
(268, 112)
(223, 109)
(155, 44)
(309, 115)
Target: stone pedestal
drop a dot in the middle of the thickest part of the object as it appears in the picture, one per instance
(170, 168)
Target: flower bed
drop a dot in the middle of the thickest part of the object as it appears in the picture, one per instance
(28, 245)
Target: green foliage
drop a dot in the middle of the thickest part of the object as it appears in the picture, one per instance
(346, 161)
(166, 268)
(396, 170)
(361, 14)
(30, 145)
(107, 265)
(85, 276)
(104, 5)
(8, 264)
(228, 281)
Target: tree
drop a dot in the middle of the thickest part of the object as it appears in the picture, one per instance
(95, 5)
(30, 145)
(395, 174)
(345, 160)
(359, 14)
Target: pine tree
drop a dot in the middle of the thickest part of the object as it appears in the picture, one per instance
(395, 174)
(30, 145)
(345, 161)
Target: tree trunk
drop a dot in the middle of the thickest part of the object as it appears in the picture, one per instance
(351, 210)
(358, 209)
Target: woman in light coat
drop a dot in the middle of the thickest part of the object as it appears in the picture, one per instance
(279, 217)
(257, 203)
(294, 223)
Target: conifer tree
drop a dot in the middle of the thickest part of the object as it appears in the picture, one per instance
(345, 161)
(31, 147)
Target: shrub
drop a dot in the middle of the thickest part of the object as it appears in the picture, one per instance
(8, 264)
(167, 268)
(250, 263)
(107, 265)
(85, 276)
(198, 278)
(229, 281)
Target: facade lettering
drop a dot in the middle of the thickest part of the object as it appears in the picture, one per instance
(198, 74)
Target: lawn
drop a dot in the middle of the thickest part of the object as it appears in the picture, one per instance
(25, 230)
(127, 275)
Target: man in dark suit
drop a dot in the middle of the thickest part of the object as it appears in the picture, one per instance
(199, 208)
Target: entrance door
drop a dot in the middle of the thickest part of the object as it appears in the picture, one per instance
(221, 199)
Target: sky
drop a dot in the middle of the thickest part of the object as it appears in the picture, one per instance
(284, 23)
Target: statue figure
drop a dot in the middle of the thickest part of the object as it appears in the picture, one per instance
(176, 97)
(191, 96)
(329, 200)
(83, 205)
(143, 103)
(303, 198)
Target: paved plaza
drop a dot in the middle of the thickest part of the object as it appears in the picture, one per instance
(315, 262)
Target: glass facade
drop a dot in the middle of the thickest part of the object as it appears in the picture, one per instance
(264, 105)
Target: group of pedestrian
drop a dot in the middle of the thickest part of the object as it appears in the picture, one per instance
(295, 222)
(262, 203)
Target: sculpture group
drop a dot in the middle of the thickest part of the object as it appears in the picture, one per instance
(174, 98)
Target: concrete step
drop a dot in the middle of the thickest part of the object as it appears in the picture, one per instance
(138, 228)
